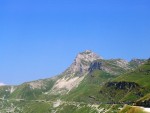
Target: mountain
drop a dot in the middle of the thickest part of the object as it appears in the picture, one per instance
(81, 63)
(131, 88)
(72, 76)
(126, 87)
(89, 84)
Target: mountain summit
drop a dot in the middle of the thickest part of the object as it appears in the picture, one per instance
(72, 77)
(81, 63)
(88, 56)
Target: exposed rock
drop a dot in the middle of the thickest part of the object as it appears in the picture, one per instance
(136, 62)
(100, 65)
(71, 77)
(12, 89)
(109, 66)
(65, 85)
(57, 103)
(121, 63)
(122, 85)
(36, 84)
(75, 73)
(82, 63)
(95, 65)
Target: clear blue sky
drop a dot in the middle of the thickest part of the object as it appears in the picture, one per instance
(40, 38)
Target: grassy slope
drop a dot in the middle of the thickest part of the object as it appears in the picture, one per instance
(131, 109)
(112, 95)
(90, 86)
(24, 91)
(140, 76)
(93, 82)
(4, 91)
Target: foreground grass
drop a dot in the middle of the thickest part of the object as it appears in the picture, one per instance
(132, 109)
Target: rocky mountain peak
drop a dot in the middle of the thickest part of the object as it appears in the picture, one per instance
(82, 62)
(72, 77)
(87, 56)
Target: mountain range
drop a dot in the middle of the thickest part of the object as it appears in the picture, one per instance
(91, 84)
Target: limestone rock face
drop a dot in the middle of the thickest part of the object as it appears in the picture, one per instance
(82, 63)
(72, 77)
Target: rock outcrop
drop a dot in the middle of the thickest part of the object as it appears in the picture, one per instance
(123, 85)
(82, 63)
(75, 73)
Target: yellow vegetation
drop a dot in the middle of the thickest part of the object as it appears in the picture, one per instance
(132, 109)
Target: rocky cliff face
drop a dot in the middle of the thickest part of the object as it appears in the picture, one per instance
(82, 63)
(112, 66)
(72, 77)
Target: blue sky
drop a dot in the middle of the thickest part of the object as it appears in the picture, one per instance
(40, 38)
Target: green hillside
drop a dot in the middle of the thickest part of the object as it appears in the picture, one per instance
(88, 90)
(141, 75)
(106, 87)
(129, 87)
